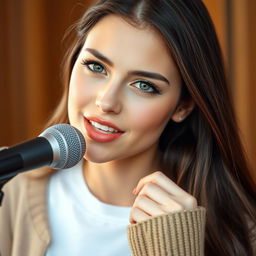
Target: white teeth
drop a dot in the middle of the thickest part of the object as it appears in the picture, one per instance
(103, 127)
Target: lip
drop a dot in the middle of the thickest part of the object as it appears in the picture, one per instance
(103, 122)
(98, 136)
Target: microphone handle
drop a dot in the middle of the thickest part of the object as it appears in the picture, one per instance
(25, 156)
(10, 165)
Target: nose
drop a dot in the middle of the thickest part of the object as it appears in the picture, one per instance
(109, 99)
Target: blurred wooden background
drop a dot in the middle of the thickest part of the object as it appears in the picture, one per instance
(31, 50)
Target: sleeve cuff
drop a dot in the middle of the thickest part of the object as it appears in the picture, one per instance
(179, 233)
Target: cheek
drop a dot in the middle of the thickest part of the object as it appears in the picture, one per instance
(78, 98)
(154, 117)
(79, 91)
(75, 92)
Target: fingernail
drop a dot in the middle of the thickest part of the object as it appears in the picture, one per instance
(134, 191)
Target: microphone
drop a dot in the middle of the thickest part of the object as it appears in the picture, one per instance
(59, 146)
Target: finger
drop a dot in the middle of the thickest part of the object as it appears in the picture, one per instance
(138, 215)
(154, 192)
(163, 181)
(167, 201)
(148, 206)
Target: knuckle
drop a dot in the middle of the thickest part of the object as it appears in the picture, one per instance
(139, 199)
(157, 175)
(147, 188)
(143, 198)
(179, 207)
(172, 206)
(191, 201)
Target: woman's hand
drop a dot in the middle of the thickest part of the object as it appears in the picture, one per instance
(156, 195)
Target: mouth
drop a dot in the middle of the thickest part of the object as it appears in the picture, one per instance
(103, 128)
(101, 131)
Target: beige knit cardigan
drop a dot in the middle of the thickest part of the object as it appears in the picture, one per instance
(24, 229)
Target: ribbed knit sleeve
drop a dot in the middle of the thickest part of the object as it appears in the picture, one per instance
(175, 234)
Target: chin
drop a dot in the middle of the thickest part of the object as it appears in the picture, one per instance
(96, 158)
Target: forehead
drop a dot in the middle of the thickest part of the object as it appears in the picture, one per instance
(112, 26)
(117, 39)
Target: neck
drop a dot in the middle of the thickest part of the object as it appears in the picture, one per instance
(113, 182)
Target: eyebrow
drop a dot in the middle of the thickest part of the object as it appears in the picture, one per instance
(100, 56)
(149, 75)
(152, 75)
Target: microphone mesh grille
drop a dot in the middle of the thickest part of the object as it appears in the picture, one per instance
(71, 145)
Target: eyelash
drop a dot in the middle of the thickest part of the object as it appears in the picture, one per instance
(155, 89)
(87, 63)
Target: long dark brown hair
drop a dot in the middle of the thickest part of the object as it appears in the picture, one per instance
(202, 154)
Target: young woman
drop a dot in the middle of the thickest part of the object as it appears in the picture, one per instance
(145, 84)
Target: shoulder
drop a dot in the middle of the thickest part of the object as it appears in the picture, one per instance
(23, 187)
(25, 199)
(13, 190)
(24, 211)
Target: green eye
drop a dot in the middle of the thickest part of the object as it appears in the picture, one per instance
(97, 68)
(94, 66)
(144, 86)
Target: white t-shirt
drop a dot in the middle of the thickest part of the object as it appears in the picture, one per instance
(80, 224)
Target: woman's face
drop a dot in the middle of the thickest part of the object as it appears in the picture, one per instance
(124, 89)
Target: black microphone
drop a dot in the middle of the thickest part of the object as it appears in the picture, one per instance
(59, 146)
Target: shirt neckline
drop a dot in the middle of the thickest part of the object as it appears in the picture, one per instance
(90, 203)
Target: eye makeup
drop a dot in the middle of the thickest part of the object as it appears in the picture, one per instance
(144, 86)
(94, 66)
